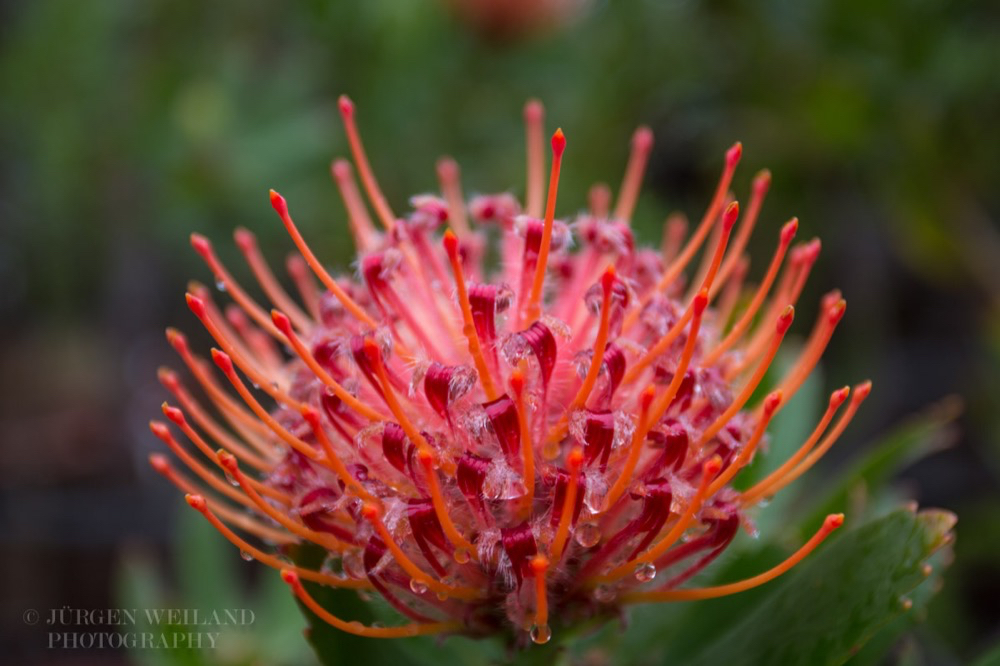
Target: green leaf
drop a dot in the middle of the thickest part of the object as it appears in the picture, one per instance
(839, 597)
(865, 479)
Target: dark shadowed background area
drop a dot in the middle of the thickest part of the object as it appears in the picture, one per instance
(124, 126)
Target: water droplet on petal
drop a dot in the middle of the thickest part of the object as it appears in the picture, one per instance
(353, 565)
(645, 572)
(417, 587)
(587, 535)
(605, 593)
(550, 451)
(541, 633)
(905, 603)
(220, 285)
(232, 479)
(246, 556)
(461, 555)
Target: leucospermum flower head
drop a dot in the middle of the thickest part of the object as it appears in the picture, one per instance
(499, 445)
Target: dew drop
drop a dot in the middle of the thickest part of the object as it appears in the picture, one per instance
(541, 633)
(365, 596)
(220, 285)
(377, 625)
(605, 593)
(232, 480)
(905, 603)
(645, 572)
(353, 565)
(246, 556)
(587, 535)
(417, 587)
(442, 596)
(461, 555)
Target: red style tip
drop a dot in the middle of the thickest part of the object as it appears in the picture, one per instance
(450, 242)
(608, 279)
(168, 378)
(371, 351)
(811, 250)
(245, 239)
(642, 140)
(833, 521)
(517, 382)
(227, 460)
(712, 466)
(836, 312)
(539, 564)
(160, 429)
(646, 397)
(426, 457)
(159, 462)
(762, 182)
(785, 319)
(862, 390)
(196, 304)
(290, 577)
(177, 340)
(222, 360)
(201, 245)
(574, 459)
(278, 203)
(734, 154)
(196, 502)
(788, 231)
(700, 302)
(346, 106)
(533, 111)
(341, 170)
(369, 511)
(771, 402)
(311, 417)
(838, 397)
(730, 215)
(447, 168)
(173, 413)
(558, 143)
(281, 322)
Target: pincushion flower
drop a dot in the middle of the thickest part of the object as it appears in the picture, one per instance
(500, 449)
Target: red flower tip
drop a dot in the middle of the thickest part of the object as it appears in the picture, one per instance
(836, 311)
(341, 170)
(222, 360)
(700, 302)
(177, 340)
(159, 462)
(281, 322)
(838, 397)
(730, 215)
(762, 182)
(788, 231)
(196, 305)
(833, 521)
(811, 251)
(734, 154)
(447, 168)
(517, 382)
(173, 413)
(196, 502)
(370, 511)
(168, 378)
(574, 459)
(558, 143)
(862, 390)
(785, 319)
(290, 577)
(346, 106)
(450, 242)
(646, 397)
(533, 111)
(608, 278)
(279, 204)
(245, 239)
(371, 351)
(201, 245)
(539, 563)
(771, 402)
(160, 429)
(712, 466)
(227, 460)
(642, 140)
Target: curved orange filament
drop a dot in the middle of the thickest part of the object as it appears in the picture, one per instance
(600, 346)
(224, 323)
(534, 116)
(281, 207)
(540, 567)
(371, 513)
(371, 350)
(468, 325)
(302, 277)
(831, 523)
(710, 268)
(303, 352)
(336, 464)
(169, 379)
(771, 403)
(198, 503)
(814, 349)
(264, 382)
(642, 145)
(860, 393)
(365, 236)
(457, 539)
(574, 461)
(635, 446)
(247, 243)
(760, 488)
(761, 183)
(204, 248)
(741, 326)
(368, 181)
(731, 294)
(291, 576)
(651, 554)
(449, 176)
(784, 322)
(694, 243)
(243, 521)
(228, 462)
(533, 308)
(177, 416)
(257, 344)
(527, 446)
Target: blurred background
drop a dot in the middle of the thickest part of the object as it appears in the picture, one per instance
(124, 126)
